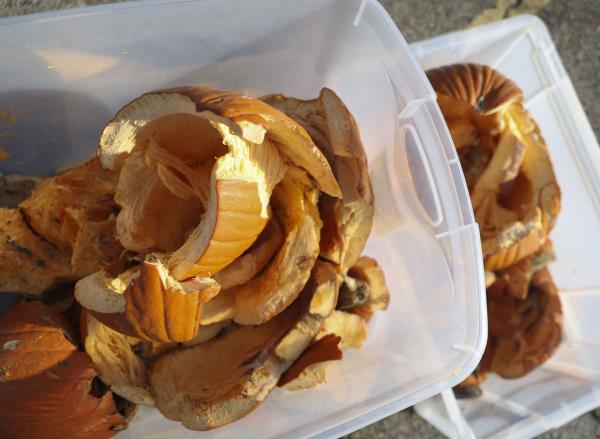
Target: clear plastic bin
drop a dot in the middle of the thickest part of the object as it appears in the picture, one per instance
(569, 384)
(64, 74)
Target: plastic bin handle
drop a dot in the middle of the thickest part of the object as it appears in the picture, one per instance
(405, 176)
(434, 216)
(411, 160)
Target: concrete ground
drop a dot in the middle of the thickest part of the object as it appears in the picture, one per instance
(575, 28)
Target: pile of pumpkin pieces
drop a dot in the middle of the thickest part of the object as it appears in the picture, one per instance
(516, 201)
(210, 252)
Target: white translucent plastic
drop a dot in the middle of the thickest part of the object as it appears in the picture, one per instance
(64, 74)
(569, 384)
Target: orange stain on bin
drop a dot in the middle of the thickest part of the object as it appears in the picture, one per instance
(3, 154)
(9, 118)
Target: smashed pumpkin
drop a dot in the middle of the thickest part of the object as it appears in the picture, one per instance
(197, 168)
(506, 163)
(208, 240)
(516, 200)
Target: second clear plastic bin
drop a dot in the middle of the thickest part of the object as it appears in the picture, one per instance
(568, 384)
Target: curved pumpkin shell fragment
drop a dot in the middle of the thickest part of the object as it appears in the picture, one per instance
(514, 191)
(243, 271)
(48, 388)
(146, 302)
(270, 292)
(300, 375)
(28, 264)
(311, 376)
(322, 287)
(176, 199)
(347, 220)
(254, 259)
(237, 215)
(117, 364)
(350, 327)
(479, 87)
(75, 211)
(62, 206)
(208, 332)
(219, 308)
(334, 327)
(325, 281)
(532, 334)
(63, 231)
(258, 119)
(367, 270)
